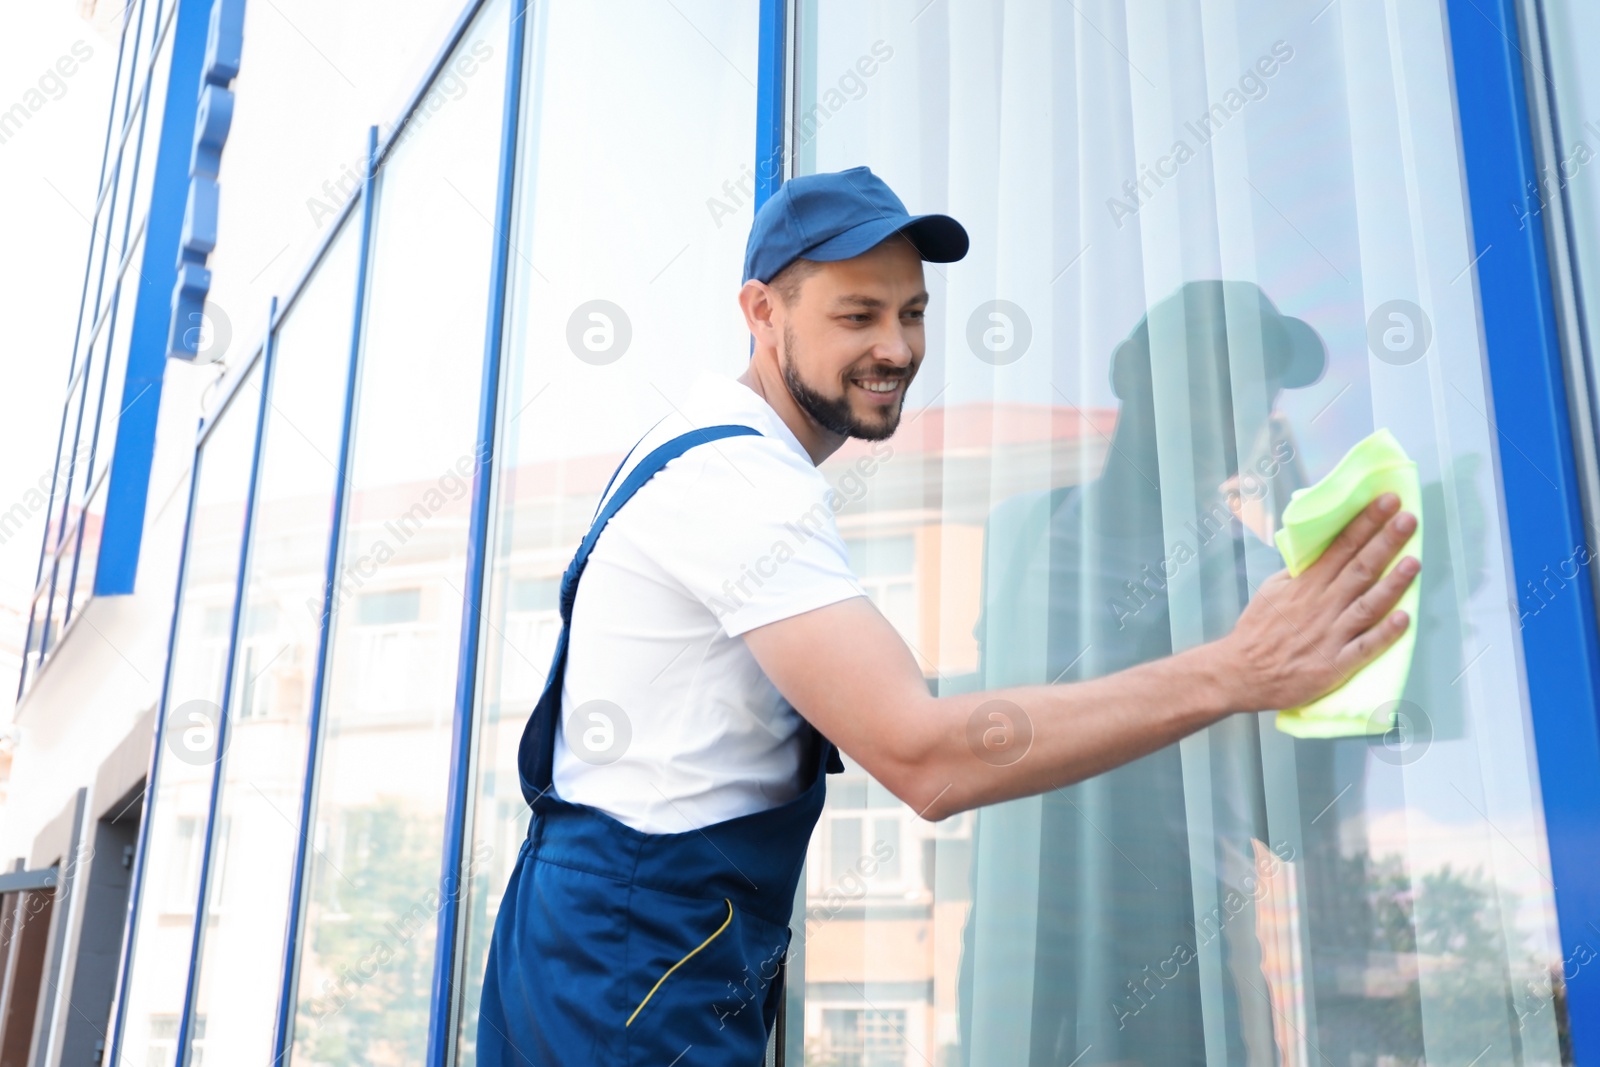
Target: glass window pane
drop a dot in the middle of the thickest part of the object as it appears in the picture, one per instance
(60, 574)
(241, 956)
(115, 335)
(379, 816)
(88, 550)
(844, 846)
(103, 282)
(155, 14)
(389, 608)
(880, 557)
(123, 36)
(141, 41)
(69, 467)
(350, 66)
(1214, 245)
(177, 804)
(139, 157)
(35, 634)
(91, 281)
(110, 401)
(120, 214)
(885, 846)
(567, 418)
(76, 465)
(155, 112)
(139, 36)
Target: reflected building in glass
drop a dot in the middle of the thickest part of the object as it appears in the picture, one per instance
(265, 801)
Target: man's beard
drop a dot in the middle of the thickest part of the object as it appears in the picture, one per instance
(834, 414)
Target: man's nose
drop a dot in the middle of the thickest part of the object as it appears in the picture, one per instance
(894, 347)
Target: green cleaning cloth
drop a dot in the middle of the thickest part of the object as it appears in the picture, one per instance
(1311, 520)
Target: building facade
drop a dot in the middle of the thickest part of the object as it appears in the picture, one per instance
(379, 296)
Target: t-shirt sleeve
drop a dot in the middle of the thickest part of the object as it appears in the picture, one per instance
(753, 534)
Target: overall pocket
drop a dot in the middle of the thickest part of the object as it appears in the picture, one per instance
(699, 972)
(687, 957)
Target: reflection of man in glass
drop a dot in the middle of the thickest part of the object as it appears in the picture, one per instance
(1159, 544)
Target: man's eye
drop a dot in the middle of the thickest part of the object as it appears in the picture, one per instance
(917, 315)
(859, 317)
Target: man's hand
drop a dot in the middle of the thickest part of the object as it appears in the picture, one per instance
(1301, 637)
(848, 671)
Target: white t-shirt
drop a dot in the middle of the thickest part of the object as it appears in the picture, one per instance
(731, 535)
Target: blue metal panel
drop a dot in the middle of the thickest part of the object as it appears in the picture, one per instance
(1560, 646)
(213, 118)
(224, 42)
(459, 800)
(211, 121)
(283, 1027)
(140, 403)
(136, 889)
(185, 1020)
(770, 79)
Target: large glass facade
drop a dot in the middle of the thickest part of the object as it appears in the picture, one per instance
(94, 401)
(377, 827)
(658, 314)
(314, 76)
(1214, 245)
(258, 807)
(178, 799)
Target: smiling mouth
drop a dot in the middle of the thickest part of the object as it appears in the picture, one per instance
(883, 385)
(885, 394)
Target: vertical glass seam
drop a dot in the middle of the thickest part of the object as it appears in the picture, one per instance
(447, 961)
(1566, 293)
(208, 848)
(283, 1028)
(1559, 649)
(777, 41)
(136, 884)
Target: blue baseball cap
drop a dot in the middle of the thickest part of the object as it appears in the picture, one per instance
(838, 215)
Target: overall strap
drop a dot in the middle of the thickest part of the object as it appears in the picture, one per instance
(612, 480)
(657, 458)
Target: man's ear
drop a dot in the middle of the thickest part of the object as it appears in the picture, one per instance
(759, 302)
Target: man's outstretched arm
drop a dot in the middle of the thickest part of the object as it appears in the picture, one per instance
(847, 670)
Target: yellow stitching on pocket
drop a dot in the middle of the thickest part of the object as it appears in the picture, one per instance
(681, 962)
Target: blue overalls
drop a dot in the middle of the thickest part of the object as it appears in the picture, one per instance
(617, 947)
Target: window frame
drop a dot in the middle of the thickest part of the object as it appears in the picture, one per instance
(1560, 645)
(1560, 651)
(163, 31)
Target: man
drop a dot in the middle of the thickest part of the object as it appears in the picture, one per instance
(722, 649)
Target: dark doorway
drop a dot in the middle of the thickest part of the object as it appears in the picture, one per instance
(27, 902)
(108, 874)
